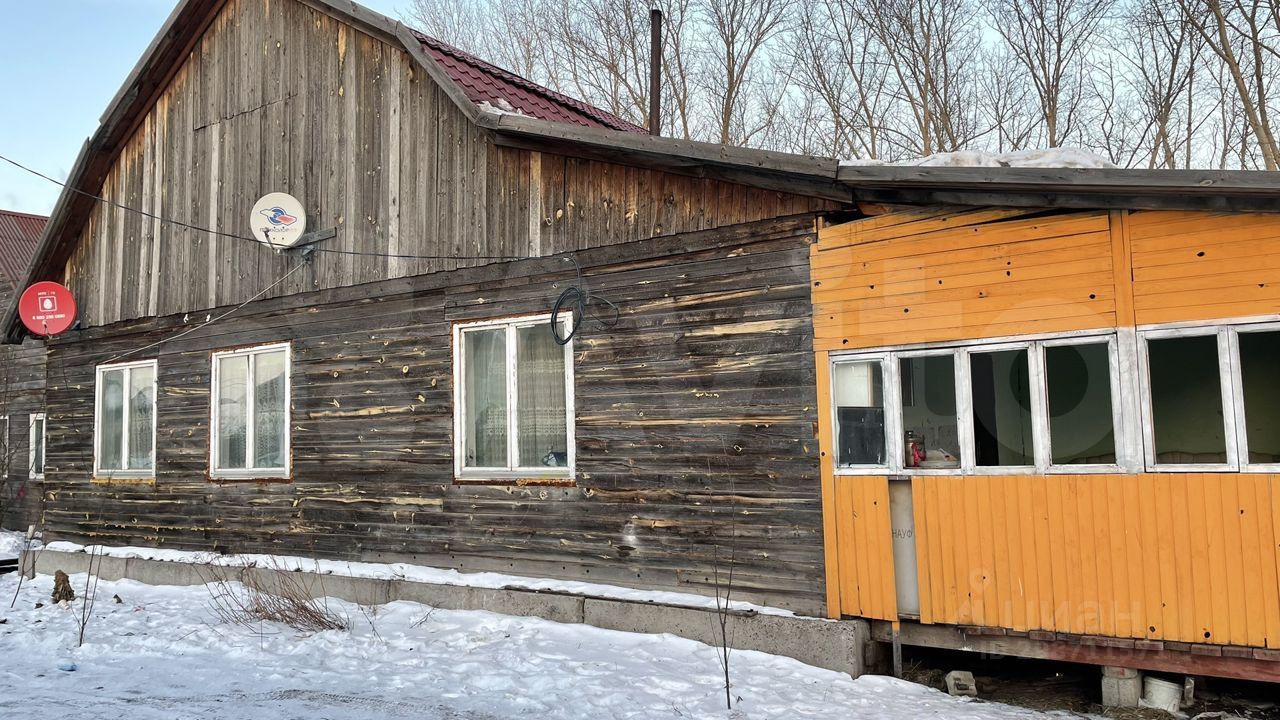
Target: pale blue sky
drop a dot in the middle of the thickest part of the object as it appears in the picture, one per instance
(61, 62)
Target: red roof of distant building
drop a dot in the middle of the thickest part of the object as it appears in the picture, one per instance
(486, 83)
(19, 234)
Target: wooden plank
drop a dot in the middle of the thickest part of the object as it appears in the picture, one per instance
(1122, 267)
(1252, 594)
(1201, 558)
(831, 544)
(1268, 494)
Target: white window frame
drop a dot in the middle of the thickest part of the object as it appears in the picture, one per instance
(1226, 396)
(98, 470)
(1126, 451)
(1127, 457)
(893, 442)
(251, 473)
(1237, 394)
(511, 471)
(37, 473)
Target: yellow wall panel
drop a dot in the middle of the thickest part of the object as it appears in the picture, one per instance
(1188, 267)
(1183, 557)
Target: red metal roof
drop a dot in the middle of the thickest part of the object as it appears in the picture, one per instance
(19, 233)
(485, 83)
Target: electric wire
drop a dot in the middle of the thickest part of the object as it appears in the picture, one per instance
(210, 321)
(579, 300)
(245, 238)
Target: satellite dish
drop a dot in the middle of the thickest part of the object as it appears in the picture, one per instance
(47, 308)
(278, 220)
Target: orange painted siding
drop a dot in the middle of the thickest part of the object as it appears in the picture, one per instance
(981, 273)
(1182, 557)
(1201, 266)
(864, 552)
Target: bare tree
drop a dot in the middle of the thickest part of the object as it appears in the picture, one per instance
(1052, 40)
(933, 50)
(743, 89)
(1161, 55)
(1243, 34)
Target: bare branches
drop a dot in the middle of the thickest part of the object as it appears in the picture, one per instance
(247, 597)
(1052, 40)
(1145, 83)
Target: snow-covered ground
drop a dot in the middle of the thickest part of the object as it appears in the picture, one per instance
(163, 653)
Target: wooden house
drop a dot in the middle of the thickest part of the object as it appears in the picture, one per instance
(21, 377)
(849, 376)
(220, 395)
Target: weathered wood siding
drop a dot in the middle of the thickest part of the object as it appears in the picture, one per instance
(698, 407)
(22, 369)
(278, 96)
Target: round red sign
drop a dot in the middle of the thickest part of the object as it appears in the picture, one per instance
(47, 308)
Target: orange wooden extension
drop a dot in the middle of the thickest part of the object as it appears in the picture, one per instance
(1181, 557)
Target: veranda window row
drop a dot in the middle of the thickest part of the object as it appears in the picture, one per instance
(1182, 399)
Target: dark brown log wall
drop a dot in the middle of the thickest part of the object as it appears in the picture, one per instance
(695, 422)
(21, 394)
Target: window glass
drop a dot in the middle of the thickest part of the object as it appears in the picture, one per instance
(929, 411)
(1081, 426)
(859, 396)
(37, 445)
(1260, 381)
(1186, 400)
(270, 415)
(141, 409)
(111, 417)
(1001, 386)
(485, 397)
(540, 400)
(233, 406)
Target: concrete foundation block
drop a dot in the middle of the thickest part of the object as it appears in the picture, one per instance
(1121, 687)
(843, 646)
(826, 644)
(961, 683)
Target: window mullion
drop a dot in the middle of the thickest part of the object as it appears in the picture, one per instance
(125, 382)
(1127, 401)
(250, 422)
(1040, 439)
(513, 440)
(964, 412)
(1232, 407)
(895, 447)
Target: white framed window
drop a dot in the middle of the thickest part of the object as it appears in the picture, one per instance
(1211, 397)
(250, 413)
(1188, 422)
(1255, 392)
(125, 420)
(513, 399)
(1046, 405)
(35, 446)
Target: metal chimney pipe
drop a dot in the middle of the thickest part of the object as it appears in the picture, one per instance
(655, 72)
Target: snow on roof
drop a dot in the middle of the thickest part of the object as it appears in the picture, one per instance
(1049, 158)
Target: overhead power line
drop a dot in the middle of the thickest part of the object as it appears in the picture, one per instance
(246, 238)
